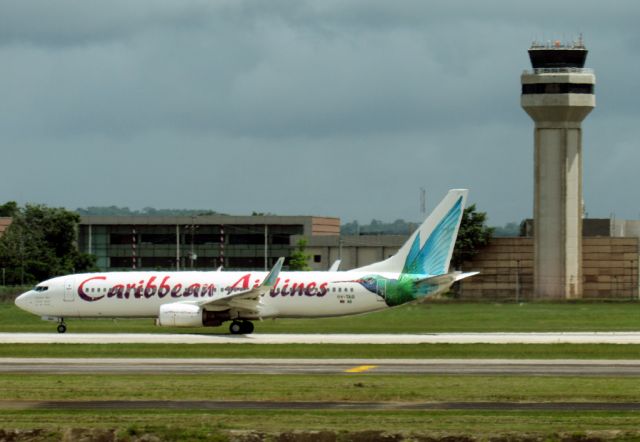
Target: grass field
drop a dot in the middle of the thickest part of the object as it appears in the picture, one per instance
(326, 351)
(314, 388)
(444, 425)
(429, 317)
(202, 424)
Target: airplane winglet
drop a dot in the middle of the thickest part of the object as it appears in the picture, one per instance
(270, 280)
(334, 267)
(248, 299)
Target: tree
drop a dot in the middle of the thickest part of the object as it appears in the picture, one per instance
(299, 260)
(40, 243)
(473, 235)
(8, 209)
(509, 229)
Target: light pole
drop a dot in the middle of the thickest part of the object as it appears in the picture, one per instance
(21, 260)
(192, 255)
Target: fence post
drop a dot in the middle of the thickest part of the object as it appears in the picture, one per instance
(517, 281)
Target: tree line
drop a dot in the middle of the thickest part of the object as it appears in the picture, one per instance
(40, 243)
(146, 211)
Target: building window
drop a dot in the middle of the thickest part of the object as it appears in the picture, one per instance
(249, 238)
(121, 238)
(317, 258)
(248, 262)
(557, 88)
(158, 262)
(280, 239)
(121, 261)
(157, 238)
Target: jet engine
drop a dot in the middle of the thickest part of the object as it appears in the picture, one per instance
(188, 315)
(180, 315)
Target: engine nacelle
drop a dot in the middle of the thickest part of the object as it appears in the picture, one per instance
(180, 315)
(188, 315)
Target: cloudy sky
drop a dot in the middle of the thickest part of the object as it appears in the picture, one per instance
(330, 107)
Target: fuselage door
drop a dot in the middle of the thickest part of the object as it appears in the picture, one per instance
(382, 289)
(68, 290)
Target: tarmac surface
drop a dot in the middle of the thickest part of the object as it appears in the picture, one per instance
(259, 338)
(529, 367)
(293, 405)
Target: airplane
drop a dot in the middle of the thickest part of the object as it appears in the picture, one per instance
(419, 269)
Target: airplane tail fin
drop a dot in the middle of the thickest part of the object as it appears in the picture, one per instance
(428, 250)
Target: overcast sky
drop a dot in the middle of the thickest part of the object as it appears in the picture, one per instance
(343, 108)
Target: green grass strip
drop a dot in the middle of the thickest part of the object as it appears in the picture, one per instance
(327, 351)
(430, 317)
(202, 425)
(347, 387)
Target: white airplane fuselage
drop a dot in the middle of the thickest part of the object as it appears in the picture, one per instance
(420, 268)
(140, 294)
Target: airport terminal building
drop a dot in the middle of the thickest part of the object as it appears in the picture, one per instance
(199, 242)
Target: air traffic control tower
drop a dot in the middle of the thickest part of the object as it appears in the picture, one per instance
(558, 94)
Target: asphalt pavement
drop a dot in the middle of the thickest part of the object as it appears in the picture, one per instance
(529, 367)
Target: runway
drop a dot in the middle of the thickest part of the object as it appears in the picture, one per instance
(529, 367)
(294, 405)
(258, 338)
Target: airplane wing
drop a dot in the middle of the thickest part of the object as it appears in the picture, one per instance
(247, 300)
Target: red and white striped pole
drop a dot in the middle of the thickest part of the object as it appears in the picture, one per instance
(133, 249)
(222, 245)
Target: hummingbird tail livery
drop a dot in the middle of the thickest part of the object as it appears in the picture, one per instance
(428, 250)
(194, 299)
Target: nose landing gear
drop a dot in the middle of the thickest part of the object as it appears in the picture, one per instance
(62, 327)
(241, 327)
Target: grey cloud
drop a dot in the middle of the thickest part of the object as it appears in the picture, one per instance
(298, 106)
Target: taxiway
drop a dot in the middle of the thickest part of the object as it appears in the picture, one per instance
(529, 367)
(259, 338)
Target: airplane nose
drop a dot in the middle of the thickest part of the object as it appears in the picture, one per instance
(24, 301)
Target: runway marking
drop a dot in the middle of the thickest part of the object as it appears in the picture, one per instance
(360, 369)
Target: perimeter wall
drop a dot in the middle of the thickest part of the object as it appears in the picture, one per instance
(609, 267)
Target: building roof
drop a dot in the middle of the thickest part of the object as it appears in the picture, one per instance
(313, 225)
(4, 224)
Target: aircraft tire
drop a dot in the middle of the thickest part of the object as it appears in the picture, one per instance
(62, 328)
(247, 327)
(235, 328)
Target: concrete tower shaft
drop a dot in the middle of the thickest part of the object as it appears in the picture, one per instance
(558, 94)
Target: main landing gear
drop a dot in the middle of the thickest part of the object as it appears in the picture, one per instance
(241, 327)
(62, 327)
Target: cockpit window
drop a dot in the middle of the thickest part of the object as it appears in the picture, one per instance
(41, 288)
